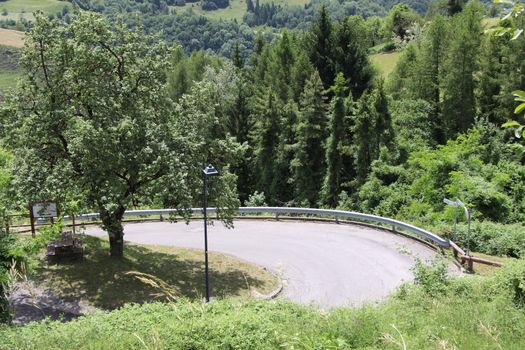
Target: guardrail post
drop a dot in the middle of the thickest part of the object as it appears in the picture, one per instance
(161, 218)
(470, 265)
(277, 216)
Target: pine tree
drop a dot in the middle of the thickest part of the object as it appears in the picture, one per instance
(372, 130)
(351, 56)
(335, 144)
(237, 56)
(257, 8)
(461, 64)
(455, 6)
(490, 78)
(285, 155)
(364, 138)
(429, 72)
(301, 72)
(321, 48)
(240, 123)
(282, 59)
(384, 128)
(249, 6)
(308, 165)
(266, 135)
(401, 83)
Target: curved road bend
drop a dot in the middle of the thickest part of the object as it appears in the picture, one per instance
(325, 264)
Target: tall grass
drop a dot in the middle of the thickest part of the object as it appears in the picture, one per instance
(466, 313)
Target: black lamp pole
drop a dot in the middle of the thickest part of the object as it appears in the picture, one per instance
(208, 171)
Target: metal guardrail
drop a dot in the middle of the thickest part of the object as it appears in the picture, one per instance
(303, 211)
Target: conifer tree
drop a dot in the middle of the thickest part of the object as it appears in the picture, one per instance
(455, 6)
(285, 155)
(308, 165)
(249, 6)
(384, 128)
(429, 72)
(280, 66)
(351, 56)
(364, 137)
(237, 56)
(301, 72)
(401, 82)
(321, 48)
(240, 123)
(490, 82)
(460, 67)
(266, 135)
(372, 130)
(335, 144)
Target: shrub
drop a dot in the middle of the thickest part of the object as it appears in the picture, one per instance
(432, 278)
(493, 238)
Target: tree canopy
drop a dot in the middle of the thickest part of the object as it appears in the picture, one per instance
(92, 117)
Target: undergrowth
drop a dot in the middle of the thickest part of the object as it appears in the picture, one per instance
(434, 313)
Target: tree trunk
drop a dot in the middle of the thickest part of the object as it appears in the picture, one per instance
(112, 223)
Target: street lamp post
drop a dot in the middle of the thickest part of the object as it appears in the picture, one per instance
(455, 205)
(208, 171)
(467, 214)
(459, 203)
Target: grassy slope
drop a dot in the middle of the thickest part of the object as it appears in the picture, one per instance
(11, 38)
(9, 71)
(467, 313)
(25, 8)
(236, 10)
(102, 281)
(385, 62)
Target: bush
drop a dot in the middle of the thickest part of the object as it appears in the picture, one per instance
(511, 280)
(432, 278)
(493, 238)
(21, 252)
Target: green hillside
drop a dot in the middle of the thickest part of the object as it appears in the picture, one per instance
(385, 62)
(16, 9)
(9, 72)
(236, 10)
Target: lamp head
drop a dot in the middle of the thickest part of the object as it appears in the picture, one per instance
(210, 171)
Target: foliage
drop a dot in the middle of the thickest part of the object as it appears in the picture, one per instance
(148, 273)
(257, 199)
(469, 312)
(493, 239)
(433, 278)
(102, 123)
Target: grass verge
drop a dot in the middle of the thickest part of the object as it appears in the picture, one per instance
(104, 283)
(472, 312)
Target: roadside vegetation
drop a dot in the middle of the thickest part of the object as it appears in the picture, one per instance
(107, 285)
(108, 117)
(465, 313)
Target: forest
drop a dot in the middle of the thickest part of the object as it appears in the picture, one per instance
(322, 129)
(113, 114)
(306, 120)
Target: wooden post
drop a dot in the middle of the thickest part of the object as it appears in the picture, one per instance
(32, 218)
(470, 265)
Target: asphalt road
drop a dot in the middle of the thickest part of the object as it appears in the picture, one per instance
(320, 263)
